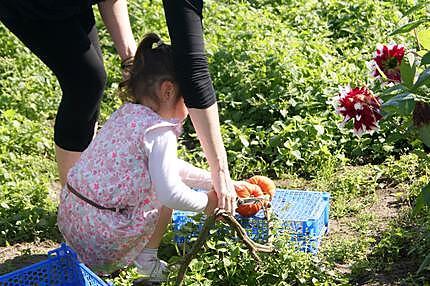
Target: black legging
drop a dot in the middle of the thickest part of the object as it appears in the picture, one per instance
(184, 20)
(70, 48)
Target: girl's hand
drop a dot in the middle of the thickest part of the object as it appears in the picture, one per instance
(212, 202)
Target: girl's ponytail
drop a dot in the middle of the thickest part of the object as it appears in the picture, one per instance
(149, 40)
(152, 63)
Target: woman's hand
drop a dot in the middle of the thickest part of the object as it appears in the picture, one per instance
(115, 17)
(225, 191)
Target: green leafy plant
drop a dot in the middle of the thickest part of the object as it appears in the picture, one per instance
(411, 97)
(274, 64)
(403, 82)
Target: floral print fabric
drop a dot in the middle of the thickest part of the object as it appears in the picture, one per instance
(113, 172)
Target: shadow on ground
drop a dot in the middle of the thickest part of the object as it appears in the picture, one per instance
(23, 254)
(20, 262)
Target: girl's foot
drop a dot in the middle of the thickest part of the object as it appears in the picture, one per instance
(143, 282)
(154, 269)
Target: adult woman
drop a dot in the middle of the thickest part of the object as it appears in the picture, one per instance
(62, 34)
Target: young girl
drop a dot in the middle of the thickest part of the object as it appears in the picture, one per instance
(118, 198)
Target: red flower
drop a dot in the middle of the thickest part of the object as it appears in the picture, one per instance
(387, 59)
(361, 105)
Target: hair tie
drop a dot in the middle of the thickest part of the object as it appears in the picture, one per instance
(158, 44)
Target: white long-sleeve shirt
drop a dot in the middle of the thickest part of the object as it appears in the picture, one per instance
(172, 177)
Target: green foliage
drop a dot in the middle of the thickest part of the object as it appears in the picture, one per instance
(423, 198)
(273, 85)
(350, 188)
(405, 170)
(403, 246)
(274, 65)
(26, 210)
(225, 261)
(415, 74)
(406, 239)
(26, 170)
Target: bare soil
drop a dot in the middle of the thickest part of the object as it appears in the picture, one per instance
(388, 206)
(23, 254)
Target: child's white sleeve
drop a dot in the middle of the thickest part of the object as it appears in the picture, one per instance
(194, 177)
(164, 171)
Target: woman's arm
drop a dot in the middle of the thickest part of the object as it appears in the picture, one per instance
(115, 16)
(206, 123)
(183, 19)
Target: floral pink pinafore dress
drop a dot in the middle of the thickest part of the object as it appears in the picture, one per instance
(112, 172)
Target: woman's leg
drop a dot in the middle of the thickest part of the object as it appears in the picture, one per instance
(70, 49)
(184, 22)
(65, 158)
(65, 161)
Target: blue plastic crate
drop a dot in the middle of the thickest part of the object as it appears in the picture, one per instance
(180, 221)
(61, 268)
(303, 214)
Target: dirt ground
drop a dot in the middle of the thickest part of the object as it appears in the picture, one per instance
(24, 254)
(388, 205)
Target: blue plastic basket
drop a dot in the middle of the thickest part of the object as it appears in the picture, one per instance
(303, 214)
(61, 268)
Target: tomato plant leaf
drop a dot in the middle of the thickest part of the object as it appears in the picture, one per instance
(402, 103)
(424, 134)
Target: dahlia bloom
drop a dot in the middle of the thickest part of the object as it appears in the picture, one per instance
(387, 59)
(360, 105)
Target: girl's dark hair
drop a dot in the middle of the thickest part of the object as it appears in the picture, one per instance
(152, 64)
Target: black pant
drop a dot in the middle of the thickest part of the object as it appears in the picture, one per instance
(70, 48)
(184, 20)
